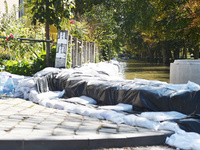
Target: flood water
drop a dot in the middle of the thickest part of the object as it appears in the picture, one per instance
(144, 70)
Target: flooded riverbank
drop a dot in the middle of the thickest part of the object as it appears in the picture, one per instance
(144, 70)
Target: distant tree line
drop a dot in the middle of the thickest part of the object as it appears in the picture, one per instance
(154, 29)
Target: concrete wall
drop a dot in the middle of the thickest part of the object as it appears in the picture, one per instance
(182, 71)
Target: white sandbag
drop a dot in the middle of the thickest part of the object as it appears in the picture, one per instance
(18, 94)
(60, 105)
(193, 86)
(185, 140)
(130, 119)
(26, 95)
(25, 91)
(146, 123)
(96, 113)
(65, 73)
(49, 95)
(46, 71)
(81, 100)
(88, 111)
(17, 79)
(177, 87)
(108, 114)
(113, 116)
(118, 107)
(43, 102)
(80, 109)
(51, 103)
(33, 94)
(171, 126)
(28, 82)
(149, 82)
(162, 116)
(196, 144)
(69, 107)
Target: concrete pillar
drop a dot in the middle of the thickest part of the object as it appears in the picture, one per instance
(182, 71)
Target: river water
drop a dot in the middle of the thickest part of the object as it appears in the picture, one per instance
(144, 70)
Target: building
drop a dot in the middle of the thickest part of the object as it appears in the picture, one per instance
(20, 4)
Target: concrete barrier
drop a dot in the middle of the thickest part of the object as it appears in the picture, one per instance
(182, 71)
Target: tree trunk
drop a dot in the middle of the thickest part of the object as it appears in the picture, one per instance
(47, 44)
(176, 54)
(151, 54)
(185, 49)
(165, 54)
(196, 52)
(47, 35)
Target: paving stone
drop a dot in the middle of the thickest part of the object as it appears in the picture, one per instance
(63, 132)
(41, 133)
(127, 129)
(25, 124)
(20, 131)
(87, 129)
(29, 126)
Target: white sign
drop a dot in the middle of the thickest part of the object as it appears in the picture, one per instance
(61, 49)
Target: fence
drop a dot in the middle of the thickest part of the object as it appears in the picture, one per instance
(80, 51)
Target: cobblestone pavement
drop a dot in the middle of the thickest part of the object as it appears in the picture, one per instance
(25, 125)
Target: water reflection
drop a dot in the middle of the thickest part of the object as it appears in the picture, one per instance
(144, 70)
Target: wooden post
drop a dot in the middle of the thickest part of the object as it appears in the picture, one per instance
(70, 50)
(61, 49)
(92, 52)
(85, 52)
(80, 55)
(75, 52)
(88, 51)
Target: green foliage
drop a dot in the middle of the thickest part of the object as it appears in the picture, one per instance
(18, 67)
(19, 29)
(53, 55)
(141, 26)
(52, 11)
(39, 63)
(27, 57)
(26, 66)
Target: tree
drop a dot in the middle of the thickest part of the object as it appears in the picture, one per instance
(192, 30)
(50, 12)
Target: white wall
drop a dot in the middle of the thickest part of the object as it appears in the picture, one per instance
(10, 6)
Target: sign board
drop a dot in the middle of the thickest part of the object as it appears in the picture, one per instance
(61, 49)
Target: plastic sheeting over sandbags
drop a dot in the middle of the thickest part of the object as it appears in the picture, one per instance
(46, 71)
(190, 123)
(143, 95)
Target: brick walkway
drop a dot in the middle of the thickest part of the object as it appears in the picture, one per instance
(28, 126)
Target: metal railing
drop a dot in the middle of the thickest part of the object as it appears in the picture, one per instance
(31, 40)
